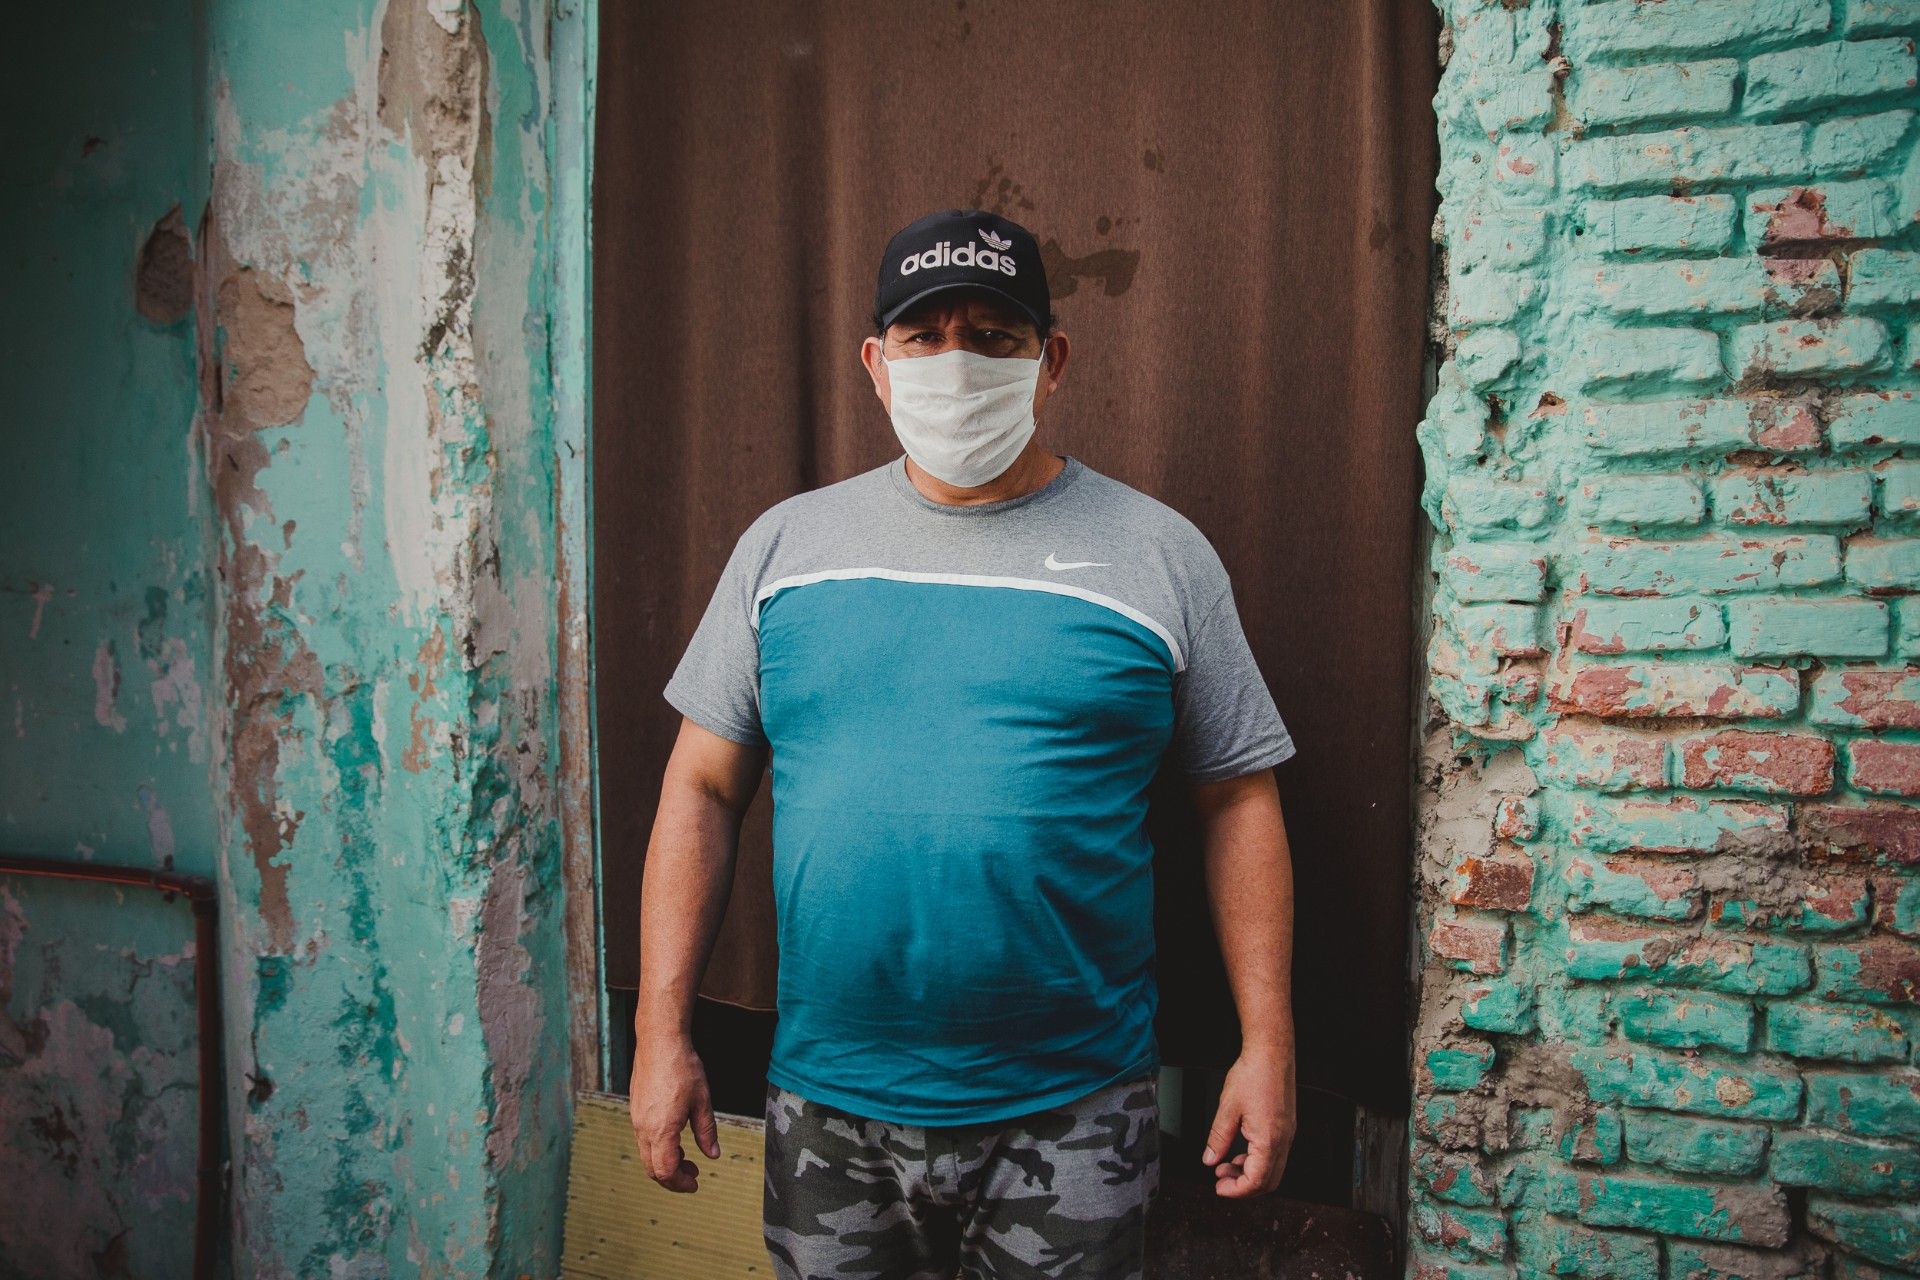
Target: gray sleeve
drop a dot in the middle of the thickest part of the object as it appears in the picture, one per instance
(1225, 721)
(717, 684)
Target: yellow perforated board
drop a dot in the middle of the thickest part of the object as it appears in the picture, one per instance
(622, 1225)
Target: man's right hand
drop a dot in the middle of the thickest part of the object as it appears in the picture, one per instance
(668, 1089)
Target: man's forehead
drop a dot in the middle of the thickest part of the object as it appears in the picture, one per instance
(974, 305)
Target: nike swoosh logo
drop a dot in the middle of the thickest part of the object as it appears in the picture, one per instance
(1075, 564)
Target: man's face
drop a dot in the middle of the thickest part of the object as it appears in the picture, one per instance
(966, 320)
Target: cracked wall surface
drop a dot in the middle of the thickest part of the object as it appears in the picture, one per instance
(105, 641)
(1669, 846)
(284, 593)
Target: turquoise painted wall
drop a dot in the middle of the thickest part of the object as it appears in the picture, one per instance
(108, 639)
(1670, 846)
(283, 559)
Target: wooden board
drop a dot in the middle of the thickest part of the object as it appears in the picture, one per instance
(622, 1225)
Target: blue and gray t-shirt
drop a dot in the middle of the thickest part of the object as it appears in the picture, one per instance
(965, 707)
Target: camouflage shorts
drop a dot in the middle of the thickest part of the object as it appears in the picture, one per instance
(1059, 1192)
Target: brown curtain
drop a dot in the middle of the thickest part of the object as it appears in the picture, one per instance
(1234, 201)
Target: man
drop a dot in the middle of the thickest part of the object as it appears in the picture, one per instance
(968, 664)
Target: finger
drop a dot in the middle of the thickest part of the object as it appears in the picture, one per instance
(666, 1160)
(1259, 1161)
(1226, 1124)
(706, 1130)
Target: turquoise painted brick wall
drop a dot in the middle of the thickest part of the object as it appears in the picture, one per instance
(1670, 845)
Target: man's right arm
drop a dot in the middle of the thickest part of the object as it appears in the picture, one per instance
(708, 784)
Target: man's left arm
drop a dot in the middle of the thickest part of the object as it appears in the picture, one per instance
(1249, 872)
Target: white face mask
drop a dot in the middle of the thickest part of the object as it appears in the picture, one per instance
(964, 417)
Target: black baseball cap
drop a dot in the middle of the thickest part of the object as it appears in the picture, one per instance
(962, 247)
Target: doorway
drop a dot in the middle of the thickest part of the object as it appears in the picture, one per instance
(1233, 202)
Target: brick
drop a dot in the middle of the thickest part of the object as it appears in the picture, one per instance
(1708, 1210)
(1686, 1144)
(1906, 628)
(1738, 153)
(1884, 564)
(1896, 905)
(1635, 500)
(1475, 945)
(1493, 884)
(1478, 506)
(1603, 95)
(1792, 496)
(1678, 824)
(1695, 1260)
(1851, 1166)
(1879, 970)
(1593, 1139)
(1715, 690)
(1887, 1234)
(1605, 950)
(1488, 572)
(1867, 698)
(1602, 759)
(1493, 631)
(1803, 348)
(1804, 1030)
(1646, 888)
(1852, 144)
(1785, 425)
(1822, 74)
(1552, 1246)
(1483, 296)
(1715, 286)
(1744, 760)
(1508, 98)
(1477, 1231)
(1622, 28)
(1874, 418)
(1642, 1077)
(1882, 278)
(1454, 1177)
(1887, 833)
(1457, 1067)
(1715, 564)
(1884, 768)
(1524, 168)
(1899, 489)
(1485, 356)
(1822, 901)
(1517, 817)
(1879, 17)
(1427, 1267)
(1486, 233)
(1685, 1019)
(1505, 1007)
(1879, 1104)
(1784, 628)
(1652, 224)
(1817, 213)
(1672, 625)
(1639, 356)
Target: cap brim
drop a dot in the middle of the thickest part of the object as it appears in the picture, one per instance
(899, 309)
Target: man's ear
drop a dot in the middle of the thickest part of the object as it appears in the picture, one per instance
(872, 358)
(1057, 349)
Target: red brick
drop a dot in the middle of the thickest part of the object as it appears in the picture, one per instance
(1498, 884)
(1871, 699)
(1888, 768)
(1794, 763)
(1605, 759)
(1480, 945)
(1518, 818)
(1862, 832)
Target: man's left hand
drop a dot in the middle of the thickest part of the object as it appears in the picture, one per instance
(1257, 1100)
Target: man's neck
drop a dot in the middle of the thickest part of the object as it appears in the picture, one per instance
(1033, 469)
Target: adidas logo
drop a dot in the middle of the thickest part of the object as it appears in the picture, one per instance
(967, 255)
